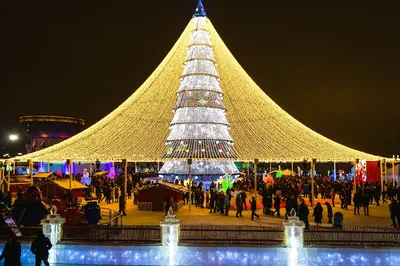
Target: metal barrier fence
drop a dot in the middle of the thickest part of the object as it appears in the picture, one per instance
(352, 237)
(110, 217)
(222, 235)
(129, 234)
(231, 235)
(237, 235)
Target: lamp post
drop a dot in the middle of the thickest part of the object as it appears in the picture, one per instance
(334, 170)
(190, 161)
(292, 170)
(386, 178)
(355, 177)
(125, 163)
(30, 162)
(69, 162)
(313, 162)
(393, 171)
(8, 163)
(255, 178)
(381, 162)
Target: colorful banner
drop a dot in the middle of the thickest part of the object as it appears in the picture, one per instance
(373, 172)
(361, 172)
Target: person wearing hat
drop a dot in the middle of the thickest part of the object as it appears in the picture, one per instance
(11, 252)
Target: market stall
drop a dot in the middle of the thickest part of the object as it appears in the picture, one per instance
(154, 196)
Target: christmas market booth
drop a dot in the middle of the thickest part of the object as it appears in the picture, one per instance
(44, 175)
(153, 197)
(19, 183)
(58, 188)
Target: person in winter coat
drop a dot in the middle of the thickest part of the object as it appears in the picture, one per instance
(11, 252)
(264, 200)
(384, 194)
(268, 205)
(348, 197)
(213, 197)
(239, 206)
(244, 197)
(40, 247)
(357, 203)
(221, 201)
(393, 210)
(333, 196)
(201, 198)
(253, 204)
(129, 188)
(342, 197)
(207, 199)
(303, 214)
(122, 204)
(277, 205)
(365, 203)
(377, 195)
(227, 201)
(116, 193)
(330, 212)
(318, 214)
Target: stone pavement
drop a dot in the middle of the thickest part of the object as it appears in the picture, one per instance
(378, 216)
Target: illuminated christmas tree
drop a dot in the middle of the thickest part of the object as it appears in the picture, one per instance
(199, 129)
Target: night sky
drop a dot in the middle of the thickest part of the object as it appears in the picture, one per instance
(333, 65)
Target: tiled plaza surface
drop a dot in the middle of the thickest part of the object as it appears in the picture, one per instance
(379, 216)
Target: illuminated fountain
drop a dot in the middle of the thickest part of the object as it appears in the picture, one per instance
(294, 240)
(170, 235)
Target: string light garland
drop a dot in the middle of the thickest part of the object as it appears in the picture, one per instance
(199, 168)
(138, 129)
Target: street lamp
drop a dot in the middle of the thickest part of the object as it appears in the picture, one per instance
(13, 137)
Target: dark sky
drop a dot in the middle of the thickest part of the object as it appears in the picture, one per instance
(333, 65)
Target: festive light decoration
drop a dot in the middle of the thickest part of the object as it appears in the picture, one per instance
(279, 173)
(111, 173)
(208, 168)
(227, 183)
(86, 179)
(199, 129)
(200, 11)
(157, 255)
(137, 129)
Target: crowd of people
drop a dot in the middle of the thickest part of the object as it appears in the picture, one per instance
(288, 192)
(291, 192)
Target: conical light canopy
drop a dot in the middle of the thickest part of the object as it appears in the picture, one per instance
(137, 130)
